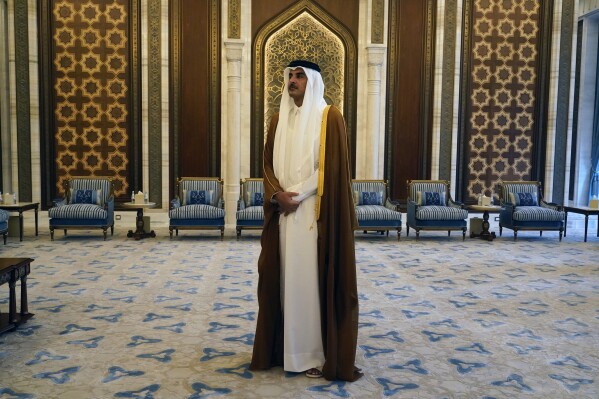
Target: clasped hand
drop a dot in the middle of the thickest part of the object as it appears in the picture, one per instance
(286, 203)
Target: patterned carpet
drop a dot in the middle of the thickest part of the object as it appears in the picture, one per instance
(439, 318)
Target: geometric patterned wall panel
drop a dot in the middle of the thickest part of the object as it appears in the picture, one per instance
(502, 94)
(91, 89)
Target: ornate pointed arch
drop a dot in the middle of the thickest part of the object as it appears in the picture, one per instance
(302, 31)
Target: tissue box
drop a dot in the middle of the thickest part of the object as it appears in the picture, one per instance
(8, 199)
(139, 198)
(594, 203)
(485, 201)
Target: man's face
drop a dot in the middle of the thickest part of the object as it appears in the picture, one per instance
(297, 85)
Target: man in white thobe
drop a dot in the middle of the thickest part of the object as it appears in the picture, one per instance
(295, 161)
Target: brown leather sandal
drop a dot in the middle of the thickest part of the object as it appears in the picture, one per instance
(314, 373)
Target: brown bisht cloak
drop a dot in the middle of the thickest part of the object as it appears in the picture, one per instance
(336, 262)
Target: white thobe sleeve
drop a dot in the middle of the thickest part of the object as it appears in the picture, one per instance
(306, 188)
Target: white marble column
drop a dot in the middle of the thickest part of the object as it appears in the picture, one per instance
(376, 56)
(234, 52)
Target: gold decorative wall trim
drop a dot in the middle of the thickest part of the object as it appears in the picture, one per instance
(428, 77)
(155, 100)
(258, 73)
(377, 22)
(175, 85)
(234, 18)
(23, 101)
(135, 73)
(215, 88)
(391, 87)
(447, 89)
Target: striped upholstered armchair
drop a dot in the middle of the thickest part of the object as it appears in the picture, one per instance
(198, 205)
(430, 207)
(250, 206)
(523, 208)
(3, 224)
(88, 203)
(374, 208)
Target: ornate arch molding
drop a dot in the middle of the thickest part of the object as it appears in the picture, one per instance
(334, 48)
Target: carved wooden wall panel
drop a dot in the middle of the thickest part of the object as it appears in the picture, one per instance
(89, 65)
(504, 111)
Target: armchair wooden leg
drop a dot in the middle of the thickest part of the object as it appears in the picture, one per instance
(407, 230)
(238, 233)
(448, 233)
(464, 235)
(105, 230)
(177, 232)
(65, 232)
(222, 233)
(51, 234)
(170, 232)
(112, 230)
(398, 234)
(560, 236)
(515, 234)
(4, 235)
(541, 233)
(500, 230)
(417, 234)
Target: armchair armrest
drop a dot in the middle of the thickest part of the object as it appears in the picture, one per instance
(551, 205)
(455, 204)
(175, 203)
(109, 206)
(508, 206)
(240, 205)
(221, 203)
(59, 202)
(393, 205)
(412, 208)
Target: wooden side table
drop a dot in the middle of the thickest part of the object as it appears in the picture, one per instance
(12, 270)
(22, 207)
(485, 209)
(139, 232)
(582, 210)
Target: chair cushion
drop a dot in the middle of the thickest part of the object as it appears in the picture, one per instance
(537, 214)
(210, 185)
(376, 212)
(435, 212)
(524, 199)
(197, 197)
(368, 198)
(254, 198)
(3, 215)
(251, 213)
(86, 196)
(103, 185)
(196, 212)
(430, 198)
(78, 211)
